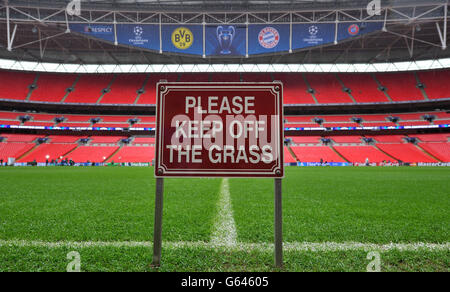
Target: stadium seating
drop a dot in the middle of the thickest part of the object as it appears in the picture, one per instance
(288, 158)
(305, 139)
(92, 153)
(89, 88)
(295, 89)
(406, 153)
(105, 139)
(346, 139)
(143, 140)
(52, 87)
(432, 137)
(359, 154)
(327, 89)
(149, 96)
(388, 138)
(15, 85)
(316, 153)
(226, 77)
(21, 138)
(436, 83)
(401, 86)
(439, 150)
(257, 77)
(64, 139)
(134, 154)
(124, 89)
(195, 77)
(14, 150)
(48, 151)
(364, 88)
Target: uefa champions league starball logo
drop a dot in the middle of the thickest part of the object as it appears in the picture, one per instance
(313, 30)
(138, 31)
(269, 37)
(353, 29)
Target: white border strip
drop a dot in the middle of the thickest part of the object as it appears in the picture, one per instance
(224, 232)
(263, 247)
(436, 64)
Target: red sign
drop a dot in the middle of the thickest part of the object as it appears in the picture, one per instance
(219, 130)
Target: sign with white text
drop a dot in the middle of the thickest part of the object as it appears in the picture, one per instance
(219, 130)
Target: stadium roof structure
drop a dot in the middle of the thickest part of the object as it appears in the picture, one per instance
(37, 31)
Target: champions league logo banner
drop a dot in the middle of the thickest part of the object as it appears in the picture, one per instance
(348, 30)
(182, 39)
(139, 35)
(311, 35)
(268, 38)
(225, 40)
(100, 31)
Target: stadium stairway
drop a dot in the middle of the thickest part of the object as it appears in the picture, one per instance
(113, 154)
(385, 153)
(27, 152)
(428, 153)
(339, 154)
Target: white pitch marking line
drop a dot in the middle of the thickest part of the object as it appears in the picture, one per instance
(262, 247)
(224, 232)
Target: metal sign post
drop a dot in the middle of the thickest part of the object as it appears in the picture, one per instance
(157, 234)
(278, 224)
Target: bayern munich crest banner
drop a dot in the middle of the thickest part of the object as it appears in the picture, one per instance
(266, 39)
(226, 39)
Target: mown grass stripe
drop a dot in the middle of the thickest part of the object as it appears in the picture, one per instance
(290, 246)
(224, 232)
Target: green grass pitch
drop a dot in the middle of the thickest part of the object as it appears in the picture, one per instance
(320, 205)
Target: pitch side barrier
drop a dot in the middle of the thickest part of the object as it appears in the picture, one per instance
(299, 164)
(285, 129)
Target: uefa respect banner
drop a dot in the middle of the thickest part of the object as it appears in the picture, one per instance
(183, 39)
(270, 38)
(99, 31)
(225, 40)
